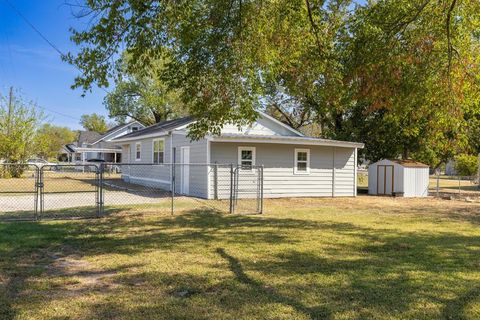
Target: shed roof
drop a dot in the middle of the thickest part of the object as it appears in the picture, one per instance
(409, 163)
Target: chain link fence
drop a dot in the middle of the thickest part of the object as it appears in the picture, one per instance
(19, 197)
(454, 187)
(73, 191)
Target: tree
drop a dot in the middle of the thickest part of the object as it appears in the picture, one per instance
(408, 67)
(412, 71)
(94, 122)
(50, 139)
(142, 96)
(19, 121)
(221, 54)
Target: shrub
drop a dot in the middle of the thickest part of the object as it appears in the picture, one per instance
(466, 164)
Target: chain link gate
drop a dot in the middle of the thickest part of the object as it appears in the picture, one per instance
(69, 191)
(247, 190)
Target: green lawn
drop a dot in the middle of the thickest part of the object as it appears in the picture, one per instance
(363, 258)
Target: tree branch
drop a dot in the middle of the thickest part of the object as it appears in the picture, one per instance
(314, 28)
(450, 48)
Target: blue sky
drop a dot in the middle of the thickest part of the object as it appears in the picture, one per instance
(29, 64)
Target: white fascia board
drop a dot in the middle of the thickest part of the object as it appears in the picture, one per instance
(146, 136)
(299, 141)
(111, 133)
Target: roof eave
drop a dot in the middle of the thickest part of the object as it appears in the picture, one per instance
(283, 140)
(140, 137)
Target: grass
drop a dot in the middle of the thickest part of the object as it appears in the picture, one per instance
(362, 258)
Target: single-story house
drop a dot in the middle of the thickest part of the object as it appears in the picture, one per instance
(406, 178)
(294, 165)
(93, 145)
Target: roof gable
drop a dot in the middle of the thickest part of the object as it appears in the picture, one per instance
(118, 131)
(157, 129)
(265, 125)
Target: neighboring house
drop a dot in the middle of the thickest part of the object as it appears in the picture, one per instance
(294, 165)
(93, 145)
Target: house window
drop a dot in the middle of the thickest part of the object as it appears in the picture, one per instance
(134, 128)
(138, 151)
(302, 161)
(246, 157)
(158, 150)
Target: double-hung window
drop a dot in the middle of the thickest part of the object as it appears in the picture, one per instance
(138, 151)
(158, 151)
(302, 161)
(246, 157)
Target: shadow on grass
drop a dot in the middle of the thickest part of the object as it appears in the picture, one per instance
(320, 312)
(374, 265)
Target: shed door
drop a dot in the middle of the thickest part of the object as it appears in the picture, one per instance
(385, 179)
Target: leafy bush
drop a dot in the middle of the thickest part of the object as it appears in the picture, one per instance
(466, 164)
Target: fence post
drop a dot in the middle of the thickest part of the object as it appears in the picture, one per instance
(100, 171)
(459, 190)
(172, 188)
(261, 189)
(215, 181)
(231, 188)
(37, 192)
(41, 184)
(438, 183)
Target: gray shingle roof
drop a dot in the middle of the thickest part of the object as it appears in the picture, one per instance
(158, 127)
(88, 137)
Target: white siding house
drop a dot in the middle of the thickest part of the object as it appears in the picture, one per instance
(398, 177)
(92, 145)
(294, 165)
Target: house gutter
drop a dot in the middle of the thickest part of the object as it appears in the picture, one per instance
(284, 140)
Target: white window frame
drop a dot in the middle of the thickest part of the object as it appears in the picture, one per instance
(137, 158)
(153, 150)
(240, 149)
(295, 168)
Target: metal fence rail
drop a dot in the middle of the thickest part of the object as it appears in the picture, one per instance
(29, 192)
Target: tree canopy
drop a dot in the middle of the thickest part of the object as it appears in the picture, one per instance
(94, 122)
(19, 121)
(51, 138)
(142, 95)
(401, 75)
